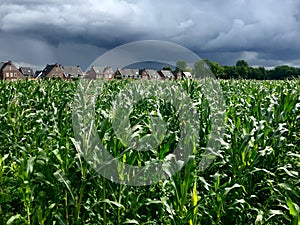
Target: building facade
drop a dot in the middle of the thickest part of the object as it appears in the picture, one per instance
(8, 71)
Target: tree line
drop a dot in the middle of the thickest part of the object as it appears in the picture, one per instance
(241, 70)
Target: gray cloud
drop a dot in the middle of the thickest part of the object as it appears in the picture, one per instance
(72, 31)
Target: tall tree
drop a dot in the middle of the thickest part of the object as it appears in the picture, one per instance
(242, 68)
(189, 69)
(181, 65)
(201, 69)
(217, 70)
(231, 72)
(167, 67)
(242, 63)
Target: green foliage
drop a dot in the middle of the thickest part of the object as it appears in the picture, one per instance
(201, 69)
(243, 71)
(167, 67)
(283, 72)
(181, 65)
(241, 63)
(254, 179)
(217, 69)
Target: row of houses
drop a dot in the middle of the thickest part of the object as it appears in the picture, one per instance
(8, 71)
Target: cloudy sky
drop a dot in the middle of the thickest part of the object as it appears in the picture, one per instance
(72, 32)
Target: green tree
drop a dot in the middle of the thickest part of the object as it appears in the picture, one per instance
(243, 72)
(242, 63)
(167, 67)
(242, 68)
(231, 72)
(201, 69)
(181, 65)
(264, 73)
(254, 73)
(189, 69)
(217, 70)
(282, 72)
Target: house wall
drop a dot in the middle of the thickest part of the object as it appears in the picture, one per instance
(179, 75)
(145, 75)
(108, 74)
(99, 75)
(56, 72)
(91, 75)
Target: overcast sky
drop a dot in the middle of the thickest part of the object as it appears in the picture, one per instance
(72, 32)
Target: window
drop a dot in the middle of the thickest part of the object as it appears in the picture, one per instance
(15, 74)
(7, 74)
(11, 74)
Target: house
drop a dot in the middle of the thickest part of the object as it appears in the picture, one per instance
(150, 74)
(8, 71)
(187, 75)
(179, 75)
(53, 71)
(27, 71)
(100, 73)
(167, 74)
(73, 71)
(183, 75)
(127, 73)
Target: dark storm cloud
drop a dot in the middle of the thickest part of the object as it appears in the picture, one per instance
(262, 32)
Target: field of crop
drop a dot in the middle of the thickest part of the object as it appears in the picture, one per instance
(253, 180)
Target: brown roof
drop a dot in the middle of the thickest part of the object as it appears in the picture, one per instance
(72, 71)
(98, 70)
(49, 68)
(27, 71)
(153, 74)
(167, 74)
(2, 64)
(129, 73)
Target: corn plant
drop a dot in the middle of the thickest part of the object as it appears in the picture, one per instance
(254, 179)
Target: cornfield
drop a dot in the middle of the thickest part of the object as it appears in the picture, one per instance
(254, 178)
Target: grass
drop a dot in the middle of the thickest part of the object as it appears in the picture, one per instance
(253, 180)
